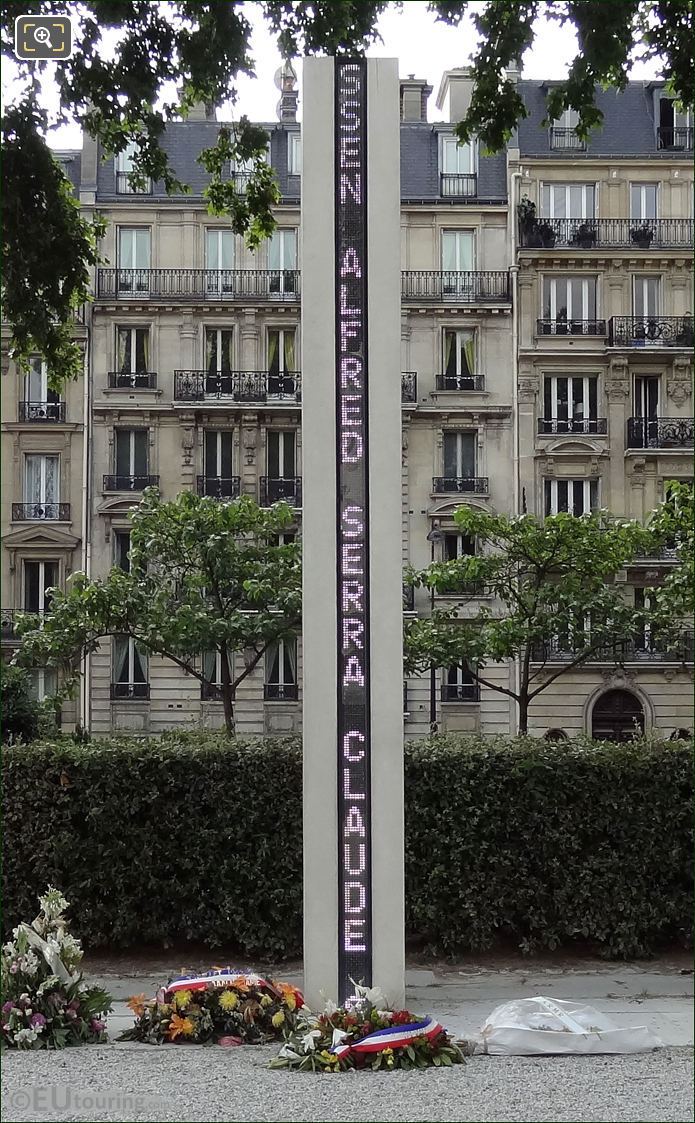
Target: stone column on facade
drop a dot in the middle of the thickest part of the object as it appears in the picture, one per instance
(617, 396)
(249, 358)
(252, 454)
(527, 389)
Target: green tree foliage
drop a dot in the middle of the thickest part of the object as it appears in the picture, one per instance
(169, 56)
(552, 585)
(19, 712)
(205, 576)
(673, 525)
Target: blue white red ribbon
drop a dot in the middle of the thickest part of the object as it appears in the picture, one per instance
(394, 1037)
(219, 977)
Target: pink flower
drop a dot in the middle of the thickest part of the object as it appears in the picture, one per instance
(74, 1005)
(38, 1020)
(7, 1007)
(229, 1041)
(97, 1026)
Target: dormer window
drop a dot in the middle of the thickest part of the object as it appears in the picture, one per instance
(457, 168)
(563, 132)
(294, 154)
(242, 170)
(674, 126)
(124, 166)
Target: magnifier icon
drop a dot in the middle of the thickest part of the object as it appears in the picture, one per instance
(43, 35)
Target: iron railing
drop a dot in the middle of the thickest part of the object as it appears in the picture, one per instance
(460, 484)
(280, 692)
(275, 490)
(451, 287)
(651, 331)
(660, 432)
(458, 185)
(219, 487)
(132, 380)
(570, 327)
(210, 692)
(129, 691)
(584, 425)
(598, 233)
(129, 483)
(237, 385)
(408, 598)
(28, 512)
(199, 284)
(641, 648)
(41, 411)
(125, 187)
(460, 692)
(409, 386)
(8, 617)
(462, 383)
(679, 137)
(565, 138)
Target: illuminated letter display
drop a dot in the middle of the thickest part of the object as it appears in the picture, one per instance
(352, 526)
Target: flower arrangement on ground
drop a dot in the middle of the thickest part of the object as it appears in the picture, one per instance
(223, 1005)
(364, 1034)
(44, 1002)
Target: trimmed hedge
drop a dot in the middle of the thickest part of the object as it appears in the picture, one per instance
(194, 837)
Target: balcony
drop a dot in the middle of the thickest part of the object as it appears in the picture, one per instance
(130, 691)
(450, 287)
(210, 692)
(460, 485)
(409, 387)
(601, 233)
(8, 618)
(660, 432)
(458, 185)
(674, 138)
(586, 426)
(129, 483)
(135, 380)
(641, 649)
(565, 139)
(198, 284)
(219, 487)
(125, 187)
(654, 331)
(280, 692)
(30, 512)
(257, 386)
(570, 327)
(460, 692)
(463, 384)
(41, 411)
(286, 489)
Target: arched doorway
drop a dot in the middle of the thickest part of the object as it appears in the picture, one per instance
(617, 716)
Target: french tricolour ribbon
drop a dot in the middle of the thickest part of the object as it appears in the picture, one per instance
(223, 977)
(395, 1037)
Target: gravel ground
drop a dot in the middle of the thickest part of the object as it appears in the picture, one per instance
(185, 1083)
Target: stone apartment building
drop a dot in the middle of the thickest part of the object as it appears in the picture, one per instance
(546, 345)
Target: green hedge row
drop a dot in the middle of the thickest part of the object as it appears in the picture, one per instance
(196, 837)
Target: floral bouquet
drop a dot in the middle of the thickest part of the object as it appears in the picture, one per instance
(363, 1034)
(223, 1005)
(44, 1004)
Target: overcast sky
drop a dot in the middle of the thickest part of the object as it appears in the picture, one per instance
(422, 46)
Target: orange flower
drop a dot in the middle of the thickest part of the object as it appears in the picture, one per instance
(290, 995)
(137, 1004)
(178, 1026)
(239, 983)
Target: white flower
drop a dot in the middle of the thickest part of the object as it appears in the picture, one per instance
(288, 1052)
(339, 1036)
(53, 903)
(374, 995)
(29, 963)
(330, 1008)
(47, 984)
(309, 1040)
(23, 1035)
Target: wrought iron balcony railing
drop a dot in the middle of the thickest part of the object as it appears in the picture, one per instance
(565, 138)
(463, 383)
(660, 432)
(651, 331)
(28, 512)
(409, 386)
(674, 137)
(460, 484)
(451, 287)
(643, 648)
(41, 411)
(132, 380)
(458, 185)
(210, 692)
(130, 691)
(460, 692)
(280, 692)
(275, 490)
(198, 284)
(8, 617)
(219, 487)
(237, 386)
(585, 425)
(125, 187)
(129, 483)
(570, 327)
(599, 233)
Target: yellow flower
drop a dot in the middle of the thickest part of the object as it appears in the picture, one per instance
(182, 998)
(184, 1027)
(266, 1000)
(278, 1019)
(387, 1052)
(228, 1000)
(329, 1058)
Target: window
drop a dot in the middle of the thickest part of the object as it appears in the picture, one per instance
(645, 296)
(281, 672)
(569, 304)
(644, 638)
(563, 131)
(569, 404)
(674, 129)
(459, 685)
(459, 455)
(458, 250)
(132, 458)
(40, 403)
(39, 577)
(459, 360)
(242, 170)
(219, 262)
(646, 396)
(42, 486)
(574, 497)
(457, 166)
(218, 479)
(124, 166)
(643, 200)
(212, 669)
(132, 356)
(121, 550)
(282, 261)
(458, 546)
(133, 259)
(294, 154)
(617, 716)
(129, 669)
(568, 200)
(281, 362)
(43, 683)
(281, 453)
(219, 344)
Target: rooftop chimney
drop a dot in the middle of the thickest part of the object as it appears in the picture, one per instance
(414, 95)
(455, 90)
(201, 111)
(286, 82)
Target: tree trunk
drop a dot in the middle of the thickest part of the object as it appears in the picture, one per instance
(523, 713)
(227, 693)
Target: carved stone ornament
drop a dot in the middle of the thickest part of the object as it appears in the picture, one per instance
(527, 389)
(187, 443)
(679, 388)
(617, 390)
